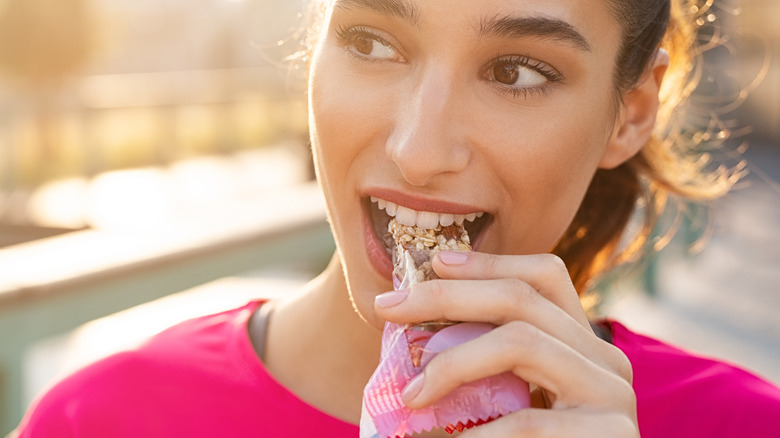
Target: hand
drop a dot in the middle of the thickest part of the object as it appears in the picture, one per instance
(542, 336)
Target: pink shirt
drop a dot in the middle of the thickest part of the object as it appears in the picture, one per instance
(202, 378)
(684, 395)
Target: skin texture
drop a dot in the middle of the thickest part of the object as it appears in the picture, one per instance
(410, 103)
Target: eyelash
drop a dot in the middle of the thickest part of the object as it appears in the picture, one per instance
(552, 75)
(346, 36)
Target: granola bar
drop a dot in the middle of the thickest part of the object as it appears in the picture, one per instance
(415, 248)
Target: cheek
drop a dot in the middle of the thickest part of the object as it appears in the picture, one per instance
(333, 155)
(548, 153)
(546, 162)
(325, 108)
(341, 118)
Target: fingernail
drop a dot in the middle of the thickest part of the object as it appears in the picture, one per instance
(390, 299)
(413, 389)
(453, 257)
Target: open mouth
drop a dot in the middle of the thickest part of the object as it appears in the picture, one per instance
(383, 211)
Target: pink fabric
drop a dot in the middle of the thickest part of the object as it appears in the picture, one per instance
(198, 379)
(202, 378)
(683, 395)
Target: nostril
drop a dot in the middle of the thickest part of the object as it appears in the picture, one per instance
(419, 164)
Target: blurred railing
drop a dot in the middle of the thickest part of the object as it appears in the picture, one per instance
(53, 285)
(92, 128)
(122, 128)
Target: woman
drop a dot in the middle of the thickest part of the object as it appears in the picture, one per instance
(535, 119)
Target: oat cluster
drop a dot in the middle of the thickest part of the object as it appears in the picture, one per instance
(415, 248)
(450, 238)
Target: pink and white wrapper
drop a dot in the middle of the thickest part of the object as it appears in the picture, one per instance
(406, 350)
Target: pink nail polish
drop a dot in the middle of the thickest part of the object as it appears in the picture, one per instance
(390, 299)
(453, 257)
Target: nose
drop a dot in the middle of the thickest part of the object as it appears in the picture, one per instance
(426, 140)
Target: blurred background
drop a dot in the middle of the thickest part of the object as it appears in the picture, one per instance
(93, 87)
(154, 166)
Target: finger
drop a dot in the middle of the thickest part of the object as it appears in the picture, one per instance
(546, 273)
(544, 423)
(494, 301)
(570, 378)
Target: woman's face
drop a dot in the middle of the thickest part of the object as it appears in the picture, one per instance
(451, 108)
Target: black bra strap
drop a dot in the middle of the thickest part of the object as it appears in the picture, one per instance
(602, 331)
(259, 329)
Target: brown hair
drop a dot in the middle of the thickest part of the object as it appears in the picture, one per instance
(671, 163)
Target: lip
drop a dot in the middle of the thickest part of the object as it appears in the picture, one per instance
(378, 256)
(420, 203)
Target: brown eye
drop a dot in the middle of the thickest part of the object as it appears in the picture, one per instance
(367, 44)
(506, 73)
(520, 73)
(364, 45)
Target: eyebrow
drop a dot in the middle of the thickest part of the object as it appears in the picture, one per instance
(510, 27)
(398, 8)
(543, 27)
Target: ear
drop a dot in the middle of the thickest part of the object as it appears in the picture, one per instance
(636, 118)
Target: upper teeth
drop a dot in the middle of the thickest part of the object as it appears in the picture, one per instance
(423, 219)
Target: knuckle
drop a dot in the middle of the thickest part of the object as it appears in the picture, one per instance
(554, 265)
(553, 261)
(615, 389)
(523, 291)
(518, 294)
(620, 364)
(434, 289)
(521, 332)
(624, 368)
(626, 395)
(433, 296)
(618, 393)
(492, 264)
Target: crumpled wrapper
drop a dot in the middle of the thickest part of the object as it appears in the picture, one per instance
(406, 350)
